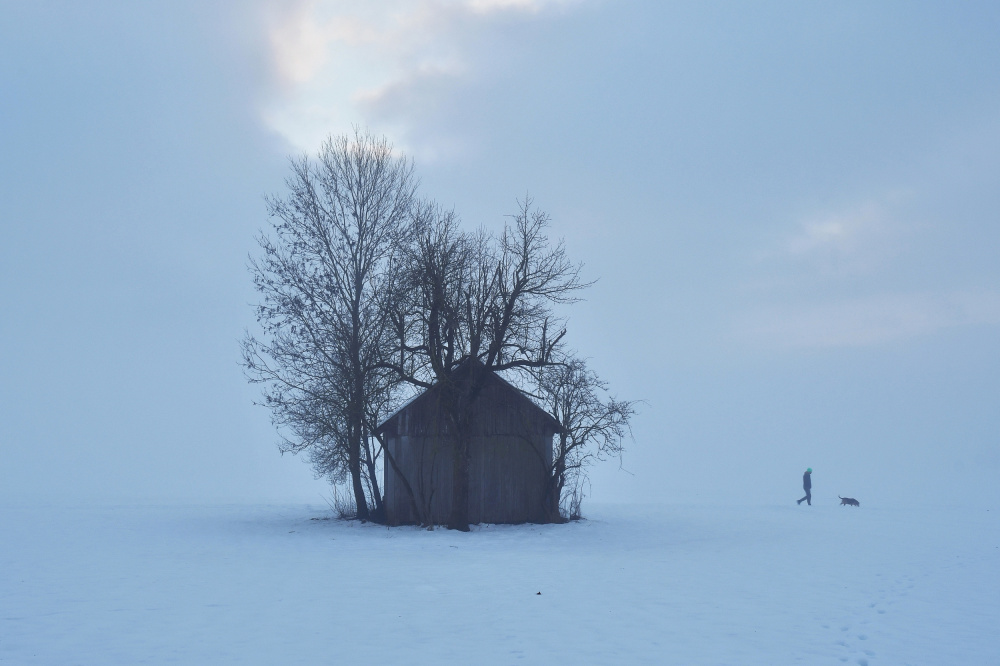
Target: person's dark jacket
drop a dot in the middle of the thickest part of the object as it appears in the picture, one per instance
(807, 481)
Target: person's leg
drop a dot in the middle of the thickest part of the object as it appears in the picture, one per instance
(809, 497)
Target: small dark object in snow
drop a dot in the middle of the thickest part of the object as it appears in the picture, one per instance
(538, 594)
(849, 501)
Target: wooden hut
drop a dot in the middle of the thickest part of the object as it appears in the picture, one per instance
(510, 456)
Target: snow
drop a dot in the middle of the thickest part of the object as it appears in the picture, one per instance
(632, 584)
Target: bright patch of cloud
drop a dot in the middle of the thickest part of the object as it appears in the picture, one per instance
(486, 6)
(840, 231)
(846, 242)
(388, 63)
(871, 320)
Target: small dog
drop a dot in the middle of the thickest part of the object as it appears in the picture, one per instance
(849, 501)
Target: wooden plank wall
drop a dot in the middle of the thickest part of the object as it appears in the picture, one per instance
(508, 467)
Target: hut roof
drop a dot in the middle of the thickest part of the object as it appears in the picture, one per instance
(463, 368)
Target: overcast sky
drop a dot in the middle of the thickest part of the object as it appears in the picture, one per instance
(791, 210)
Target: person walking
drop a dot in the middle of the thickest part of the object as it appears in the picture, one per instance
(807, 484)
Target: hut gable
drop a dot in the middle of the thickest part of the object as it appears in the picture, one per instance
(510, 455)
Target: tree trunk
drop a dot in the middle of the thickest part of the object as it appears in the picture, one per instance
(417, 511)
(553, 490)
(354, 463)
(378, 515)
(459, 519)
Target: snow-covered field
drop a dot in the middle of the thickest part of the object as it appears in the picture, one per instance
(673, 585)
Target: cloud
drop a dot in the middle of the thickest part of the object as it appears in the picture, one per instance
(856, 240)
(388, 63)
(871, 320)
(487, 6)
(884, 269)
(837, 231)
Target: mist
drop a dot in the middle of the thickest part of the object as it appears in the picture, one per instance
(790, 212)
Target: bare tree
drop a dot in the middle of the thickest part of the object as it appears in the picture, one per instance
(594, 426)
(363, 289)
(322, 278)
(477, 304)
